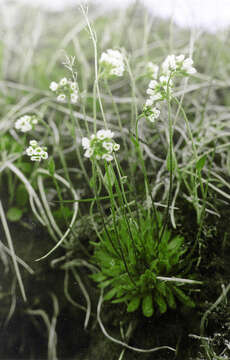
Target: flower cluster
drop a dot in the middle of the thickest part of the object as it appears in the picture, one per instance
(161, 86)
(100, 146)
(113, 62)
(26, 123)
(36, 152)
(65, 90)
(173, 64)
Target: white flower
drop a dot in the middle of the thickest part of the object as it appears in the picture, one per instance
(165, 79)
(30, 151)
(35, 158)
(33, 142)
(149, 102)
(180, 58)
(187, 66)
(63, 81)
(116, 147)
(88, 153)
(53, 86)
(85, 143)
(153, 69)
(23, 124)
(101, 134)
(109, 134)
(107, 157)
(156, 97)
(115, 54)
(73, 85)
(155, 113)
(38, 150)
(108, 146)
(74, 97)
(169, 64)
(150, 91)
(153, 84)
(118, 71)
(44, 155)
(61, 98)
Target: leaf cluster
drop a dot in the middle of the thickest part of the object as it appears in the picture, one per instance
(138, 264)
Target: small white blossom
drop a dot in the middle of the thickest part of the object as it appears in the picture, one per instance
(153, 84)
(107, 157)
(33, 143)
(63, 82)
(30, 151)
(169, 64)
(88, 153)
(61, 98)
(155, 113)
(187, 66)
(85, 143)
(109, 134)
(149, 102)
(74, 97)
(150, 92)
(44, 155)
(73, 85)
(53, 86)
(116, 147)
(108, 146)
(101, 134)
(153, 69)
(180, 58)
(156, 97)
(38, 150)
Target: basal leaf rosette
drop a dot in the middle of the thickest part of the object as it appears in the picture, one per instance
(137, 270)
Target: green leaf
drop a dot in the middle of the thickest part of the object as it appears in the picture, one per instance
(147, 306)
(14, 214)
(98, 277)
(51, 166)
(201, 162)
(105, 283)
(175, 244)
(170, 299)
(134, 304)
(21, 196)
(182, 297)
(162, 288)
(110, 294)
(25, 167)
(121, 299)
(160, 303)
